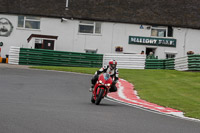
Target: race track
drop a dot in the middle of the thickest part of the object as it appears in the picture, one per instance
(39, 101)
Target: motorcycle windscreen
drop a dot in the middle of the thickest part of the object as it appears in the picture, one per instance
(106, 76)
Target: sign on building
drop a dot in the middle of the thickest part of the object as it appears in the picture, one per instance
(152, 41)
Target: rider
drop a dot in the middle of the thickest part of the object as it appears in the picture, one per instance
(111, 70)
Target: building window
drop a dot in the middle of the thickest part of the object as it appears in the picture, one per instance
(90, 27)
(159, 31)
(29, 22)
(170, 55)
(67, 2)
(170, 31)
(91, 51)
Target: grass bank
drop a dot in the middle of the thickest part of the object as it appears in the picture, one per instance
(169, 88)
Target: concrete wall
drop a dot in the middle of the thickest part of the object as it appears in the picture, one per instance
(112, 35)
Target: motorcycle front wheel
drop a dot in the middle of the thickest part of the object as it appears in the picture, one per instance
(99, 97)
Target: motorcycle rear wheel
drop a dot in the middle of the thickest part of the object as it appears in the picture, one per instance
(99, 97)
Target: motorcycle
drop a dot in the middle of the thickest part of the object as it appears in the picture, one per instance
(101, 88)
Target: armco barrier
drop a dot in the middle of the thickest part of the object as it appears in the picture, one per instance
(160, 64)
(188, 63)
(126, 61)
(194, 62)
(181, 64)
(25, 56)
(14, 55)
(170, 64)
(58, 58)
(155, 64)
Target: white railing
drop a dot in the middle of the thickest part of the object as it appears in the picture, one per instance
(126, 61)
(14, 55)
(181, 64)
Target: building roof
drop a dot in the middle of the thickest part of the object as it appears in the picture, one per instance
(41, 36)
(178, 13)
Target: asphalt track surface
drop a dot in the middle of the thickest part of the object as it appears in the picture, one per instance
(38, 101)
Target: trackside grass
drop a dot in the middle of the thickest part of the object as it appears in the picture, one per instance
(169, 88)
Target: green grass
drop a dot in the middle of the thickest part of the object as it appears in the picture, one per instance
(169, 88)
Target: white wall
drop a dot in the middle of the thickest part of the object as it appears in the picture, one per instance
(113, 34)
(192, 41)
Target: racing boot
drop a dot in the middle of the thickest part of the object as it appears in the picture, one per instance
(91, 88)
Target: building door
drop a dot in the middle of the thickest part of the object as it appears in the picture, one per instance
(48, 44)
(148, 50)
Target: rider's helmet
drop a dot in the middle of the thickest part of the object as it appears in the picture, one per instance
(112, 64)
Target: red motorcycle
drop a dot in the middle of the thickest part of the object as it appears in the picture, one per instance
(101, 88)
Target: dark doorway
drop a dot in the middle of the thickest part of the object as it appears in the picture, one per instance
(148, 50)
(48, 44)
(38, 46)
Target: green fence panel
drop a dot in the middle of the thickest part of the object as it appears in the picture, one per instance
(194, 62)
(155, 64)
(160, 64)
(170, 64)
(59, 58)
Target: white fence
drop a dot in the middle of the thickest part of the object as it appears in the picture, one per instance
(14, 55)
(181, 64)
(126, 61)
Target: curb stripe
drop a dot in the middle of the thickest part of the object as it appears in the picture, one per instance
(127, 94)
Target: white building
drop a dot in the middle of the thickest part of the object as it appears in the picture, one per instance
(81, 35)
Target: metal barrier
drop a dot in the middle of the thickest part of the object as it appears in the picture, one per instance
(126, 61)
(14, 55)
(25, 56)
(155, 64)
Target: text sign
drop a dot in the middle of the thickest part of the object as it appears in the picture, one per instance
(152, 41)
